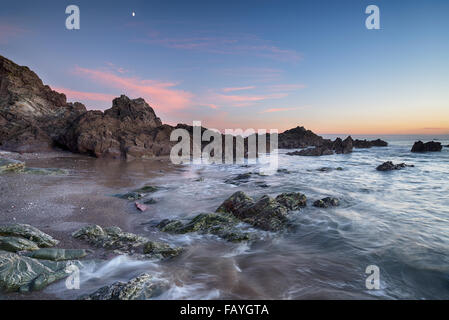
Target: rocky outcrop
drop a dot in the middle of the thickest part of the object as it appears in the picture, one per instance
(342, 146)
(312, 152)
(431, 146)
(143, 287)
(28, 232)
(328, 147)
(33, 117)
(389, 166)
(364, 144)
(299, 137)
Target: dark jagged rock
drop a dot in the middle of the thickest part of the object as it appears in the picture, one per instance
(431, 146)
(364, 144)
(327, 202)
(28, 232)
(113, 238)
(25, 274)
(299, 137)
(343, 146)
(239, 179)
(222, 225)
(312, 152)
(143, 287)
(388, 166)
(33, 117)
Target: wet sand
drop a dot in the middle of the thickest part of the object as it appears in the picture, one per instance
(61, 204)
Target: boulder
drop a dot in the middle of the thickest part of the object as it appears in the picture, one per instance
(343, 146)
(431, 146)
(25, 274)
(388, 166)
(113, 238)
(299, 137)
(239, 179)
(143, 287)
(31, 233)
(221, 225)
(292, 200)
(15, 244)
(327, 202)
(55, 254)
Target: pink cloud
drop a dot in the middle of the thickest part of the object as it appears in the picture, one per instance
(9, 31)
(158, 94)
(238, 88)
(81, 95)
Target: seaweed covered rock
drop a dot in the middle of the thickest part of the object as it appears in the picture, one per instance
(292, 200)
(28, 232)
(24, 274)
(236, 203)
(7, 165)
(221, 225)
(113, 238)
(15, 244)
(142, 287)
(388, 166)
(55, 254)
(136, 194)
(327, 202)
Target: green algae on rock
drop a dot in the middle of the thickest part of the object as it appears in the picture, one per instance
(56, 254)
(113, 238)
(25, 274)
(15, 244)
(7, 165)
(221, 225)
(142, 287)
(327, 202)
(28, 232)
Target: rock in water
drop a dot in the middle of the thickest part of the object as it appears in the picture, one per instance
(343, 146)
(292, 200)
(327, 202)
(24, 274)
(142, 287)
(58, 254)
(28, 232)
(312, 152)
(431, 146)
(299, 137)
(221, 225)
(363, 144)
(388, 166)
(113, 238)
(15, 244)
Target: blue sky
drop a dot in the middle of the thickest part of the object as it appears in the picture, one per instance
(246, 64)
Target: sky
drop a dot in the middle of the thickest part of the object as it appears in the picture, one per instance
(248, 63)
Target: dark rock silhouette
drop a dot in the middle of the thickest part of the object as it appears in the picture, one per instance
(431, 146)
(364, 144)
(388, 166)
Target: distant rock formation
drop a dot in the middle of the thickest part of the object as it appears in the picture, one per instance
(431, 146)
(364, 144)
(300, 137)
(329, 147)
(389, 166)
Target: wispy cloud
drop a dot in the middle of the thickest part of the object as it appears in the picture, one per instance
(235, 44)
(287, 87)
(9, 31)
(238, 88)
(81, 95)
(162, 95)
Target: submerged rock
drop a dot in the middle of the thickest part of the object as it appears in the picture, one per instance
(327, 202)
(146, 189)
(24, 274)
(113, 238)
(241, 178)
(431, 146)
(55, 254)
(142, 287)
(15, 244)
(388, 166)
(28, 232)
(45, 171)
(221, 225)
